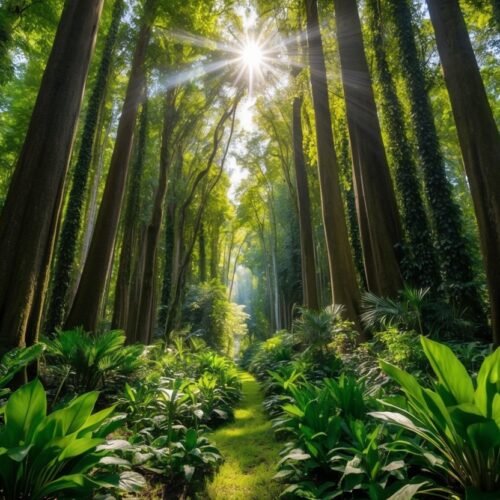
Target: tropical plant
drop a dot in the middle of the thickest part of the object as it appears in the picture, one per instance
(91, 360)
(183, 462)
(47, 455)
(458, 421)
(401, 348)
(367, 464)
(16, 360)
(415, 310)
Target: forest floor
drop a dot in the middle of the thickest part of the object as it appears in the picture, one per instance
(249, 449)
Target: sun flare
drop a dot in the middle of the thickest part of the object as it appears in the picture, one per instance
(251, 55)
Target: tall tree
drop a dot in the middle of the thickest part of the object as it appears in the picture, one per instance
(147, 312)
(379, 224)
(29, 218)
(342, 272)
(130, 239)
(422, 266)
(456, 261)
(478, 135)
(72, 219)
(309, 285)
(87, 304)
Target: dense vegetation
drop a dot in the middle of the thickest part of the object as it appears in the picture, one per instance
(310, 189)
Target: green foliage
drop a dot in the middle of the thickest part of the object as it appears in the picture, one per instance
(458, 420)
(188, 388)
(271, 354)
(315, 329)
(402, 349)
(334, 449)
(415, 310)
(212, 316)
(87, 361)
(16, 360)
(446, 216)
(47, 455)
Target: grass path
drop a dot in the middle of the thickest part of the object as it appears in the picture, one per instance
(249, 449)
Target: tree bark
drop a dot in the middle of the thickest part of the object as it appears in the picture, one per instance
(85, 309)
(202, 255)
(380, 227)
(446, 216)
(478, 135)
(130, 244)
(144, 324)
(345, 289)
(73, 216)
(31, 211)
(309, 285)
(421, 267)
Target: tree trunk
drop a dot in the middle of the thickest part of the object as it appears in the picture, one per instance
(203, 255)
(309, 285)
(342, 274)
(379, 223)
(167, 271)
(478, 136)
(153, 230)
(73, 216)
(130, 244)
(85, 309)
(421, 267)
(31, 211)
(456, 261)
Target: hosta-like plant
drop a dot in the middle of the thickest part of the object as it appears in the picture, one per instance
(458, 419)
(46, 455)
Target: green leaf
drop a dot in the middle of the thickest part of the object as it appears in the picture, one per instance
(407, 492)
(488, 386)
(24, 411)
(450, 372)
(408, 382)
(71, 481)
(293, 410)
(132, 481)
(79, 447)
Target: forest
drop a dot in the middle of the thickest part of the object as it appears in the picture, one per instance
(250, 249)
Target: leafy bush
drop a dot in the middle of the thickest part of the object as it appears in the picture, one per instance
(210, 313)
(16, 360)
(271, 354)
(188, 388)
(88, 361)
(459, 421)
(402, 349)
(45, 455)
(415, 310)
(334, 449)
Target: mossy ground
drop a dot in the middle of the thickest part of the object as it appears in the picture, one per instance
(249, 449)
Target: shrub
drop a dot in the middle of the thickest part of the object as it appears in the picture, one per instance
(459, 421)
(415, 310)
(88, 361)
(45, 455)
(16, 360)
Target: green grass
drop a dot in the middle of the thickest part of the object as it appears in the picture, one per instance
(249, 449)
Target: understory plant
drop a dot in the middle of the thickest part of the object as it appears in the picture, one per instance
(65, 452)
(335, 450)
(16, 360)
(188, 390)
(457, 421)
(88, 361)
(416, 310)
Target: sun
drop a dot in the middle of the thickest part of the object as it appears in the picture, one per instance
(252, 56)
